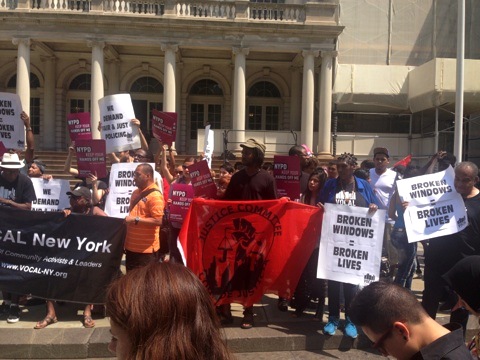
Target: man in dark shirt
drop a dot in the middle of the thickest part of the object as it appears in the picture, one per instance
(392, 318)
(16, 191)
(444, 252)
(250, 183)
(301, 153)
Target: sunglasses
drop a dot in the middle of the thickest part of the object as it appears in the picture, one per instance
(378, 345)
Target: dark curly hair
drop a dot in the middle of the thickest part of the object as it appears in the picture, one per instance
(348, 158)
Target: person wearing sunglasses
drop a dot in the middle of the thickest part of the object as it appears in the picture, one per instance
(397, 324)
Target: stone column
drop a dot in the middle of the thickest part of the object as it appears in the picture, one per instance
(169, 82)
(23, 72)
(325, 104)
(308, 97)
(239, 96)
(295, 110)
(48, 130)
(97, 91)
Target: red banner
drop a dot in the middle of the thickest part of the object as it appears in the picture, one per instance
(244, 249)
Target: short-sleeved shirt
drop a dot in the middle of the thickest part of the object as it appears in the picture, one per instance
(21, 190)
(383, 186)
(144, 238)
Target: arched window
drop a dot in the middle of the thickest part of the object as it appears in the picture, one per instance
(81, 82)
(147, 84)
(34, 100)
(206, 102)
(147, 94)
(206, 87)
(264, 103)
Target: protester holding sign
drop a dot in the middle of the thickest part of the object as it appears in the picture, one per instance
(80, 203)
(16, 191)
(175, 226)
(127, 155)
(444, 252)
(407, 251)
(91, 181)
(351, 191)
(37, 170)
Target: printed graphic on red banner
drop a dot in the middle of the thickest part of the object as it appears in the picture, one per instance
(182, 196)
(164, 126)
(79, 126)
(91, 158)
(244, 249)
(286, 170)
(202, 181)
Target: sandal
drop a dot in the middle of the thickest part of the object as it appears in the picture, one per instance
(247, 322)
(48, 320)
(88, 322)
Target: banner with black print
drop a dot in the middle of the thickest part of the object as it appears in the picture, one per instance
(351, 244)
(434, 206)
(12, 129)
(51, 256)
(51, 194)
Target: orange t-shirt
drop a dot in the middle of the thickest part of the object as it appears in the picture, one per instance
(144, 238)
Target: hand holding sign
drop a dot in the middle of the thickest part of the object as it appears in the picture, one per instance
(12, 132)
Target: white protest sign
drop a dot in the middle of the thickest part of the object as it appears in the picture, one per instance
(12, 129)
(121, 189)
(208, 145)
(427, 189)
(116, 114)
(351, 244)
(51, 194)
(435, 208)
(424, 222)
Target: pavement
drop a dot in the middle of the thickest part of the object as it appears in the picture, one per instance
(276, 335)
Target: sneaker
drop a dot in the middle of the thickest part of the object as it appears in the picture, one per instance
(350, 329)
(14, 314)
(331, 326)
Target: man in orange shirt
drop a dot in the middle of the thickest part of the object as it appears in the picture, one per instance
(143, 223)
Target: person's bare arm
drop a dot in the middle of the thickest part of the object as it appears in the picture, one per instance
(97, 193)
(30, 139)
(149, 220)
(143, 141)
(68, 162)
(13, 204)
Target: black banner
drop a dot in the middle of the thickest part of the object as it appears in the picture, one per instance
(51, 256)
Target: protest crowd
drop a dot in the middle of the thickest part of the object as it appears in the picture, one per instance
(196, 239)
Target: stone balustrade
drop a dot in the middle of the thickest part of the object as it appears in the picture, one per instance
(238, 10)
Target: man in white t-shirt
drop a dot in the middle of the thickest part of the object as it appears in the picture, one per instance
(382, 181)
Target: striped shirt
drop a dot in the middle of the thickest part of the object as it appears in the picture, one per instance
(144, 238)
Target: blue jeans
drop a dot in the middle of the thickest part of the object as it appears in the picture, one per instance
(406, 267)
